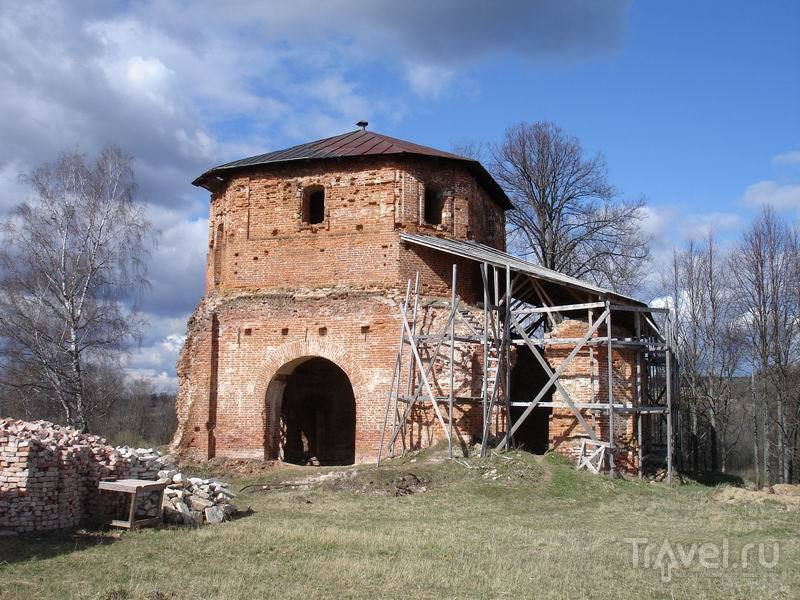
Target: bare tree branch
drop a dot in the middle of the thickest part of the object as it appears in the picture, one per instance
(566, 214)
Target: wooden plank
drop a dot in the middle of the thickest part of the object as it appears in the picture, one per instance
(395, 379)
(610, 367)
(669, 416)
(453, 311)
(560, 308)
(131, 486)
(597, 406)
(639, 309)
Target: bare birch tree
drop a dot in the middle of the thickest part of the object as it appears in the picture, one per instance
(767, 275)
(709, 336)
(70, 266)
(567, 215)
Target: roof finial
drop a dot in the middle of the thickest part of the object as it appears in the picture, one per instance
(363, 125)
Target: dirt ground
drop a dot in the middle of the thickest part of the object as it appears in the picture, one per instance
(782, 494)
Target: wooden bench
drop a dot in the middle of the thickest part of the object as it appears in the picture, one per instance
(134, 487)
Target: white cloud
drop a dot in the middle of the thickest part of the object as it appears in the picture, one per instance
(656, 219)
(155, 359)
(695, 226)
(792, 157)
(430, 80)
(780, 196)
(183, 92)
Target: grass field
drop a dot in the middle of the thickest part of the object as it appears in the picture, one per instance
(540, 530)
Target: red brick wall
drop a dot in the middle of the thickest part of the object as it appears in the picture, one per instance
(586, 378)
(279, 290)
(265, 244)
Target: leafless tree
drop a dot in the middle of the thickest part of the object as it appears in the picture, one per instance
(767, 273)
(567, 215)
(71, 265)
(470, 148)
(709, 335)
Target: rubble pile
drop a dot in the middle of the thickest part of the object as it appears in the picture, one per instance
(193, 501)
(49, 477)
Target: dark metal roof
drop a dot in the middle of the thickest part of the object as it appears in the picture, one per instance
(482, 253)
(354, 144)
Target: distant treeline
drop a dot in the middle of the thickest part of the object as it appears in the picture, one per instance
(133, 414)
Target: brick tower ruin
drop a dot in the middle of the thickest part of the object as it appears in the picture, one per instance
(292, 353)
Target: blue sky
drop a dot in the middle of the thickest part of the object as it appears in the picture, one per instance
(696, 105)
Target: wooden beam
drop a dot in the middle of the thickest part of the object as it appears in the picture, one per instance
(669, 416)
(453, 309)
(610, 367)
(639, 309)
(395, 378)
(560, 308)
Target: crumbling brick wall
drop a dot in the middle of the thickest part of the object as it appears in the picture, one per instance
(49, 476)
(586, 380)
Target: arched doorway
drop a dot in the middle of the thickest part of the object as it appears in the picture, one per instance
(313, 413)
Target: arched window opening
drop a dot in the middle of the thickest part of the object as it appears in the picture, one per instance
(219, 246)
(434, 204)
(314, 205)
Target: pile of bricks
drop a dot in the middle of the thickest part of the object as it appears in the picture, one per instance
(49, 477)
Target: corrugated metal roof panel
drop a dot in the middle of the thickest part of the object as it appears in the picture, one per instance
(482, 253)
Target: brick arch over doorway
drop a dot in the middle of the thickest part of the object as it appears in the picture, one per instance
(282, 362)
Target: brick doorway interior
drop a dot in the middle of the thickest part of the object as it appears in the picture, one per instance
(527, 376)
(316, 414)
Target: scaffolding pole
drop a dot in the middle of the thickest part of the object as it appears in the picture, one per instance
(518, 313)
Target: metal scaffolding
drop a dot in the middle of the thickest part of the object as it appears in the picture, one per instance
(522, 306)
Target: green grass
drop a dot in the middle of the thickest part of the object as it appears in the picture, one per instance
(542, 530)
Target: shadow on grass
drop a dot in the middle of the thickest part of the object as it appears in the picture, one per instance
(713, 479)
(25, 547)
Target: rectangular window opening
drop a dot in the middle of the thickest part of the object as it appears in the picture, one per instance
(434, 205)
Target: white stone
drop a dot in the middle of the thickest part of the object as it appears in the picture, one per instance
(215, 514)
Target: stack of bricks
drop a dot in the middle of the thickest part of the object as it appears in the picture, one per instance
(49, 475)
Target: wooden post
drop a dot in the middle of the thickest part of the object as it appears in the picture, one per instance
(669, 415)
(496, 334)
(611, 465)
(412, 373)
(637, 394)
(453, 307)
(506, 349)
(395, 380)
(484, 385)
(592, 361)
